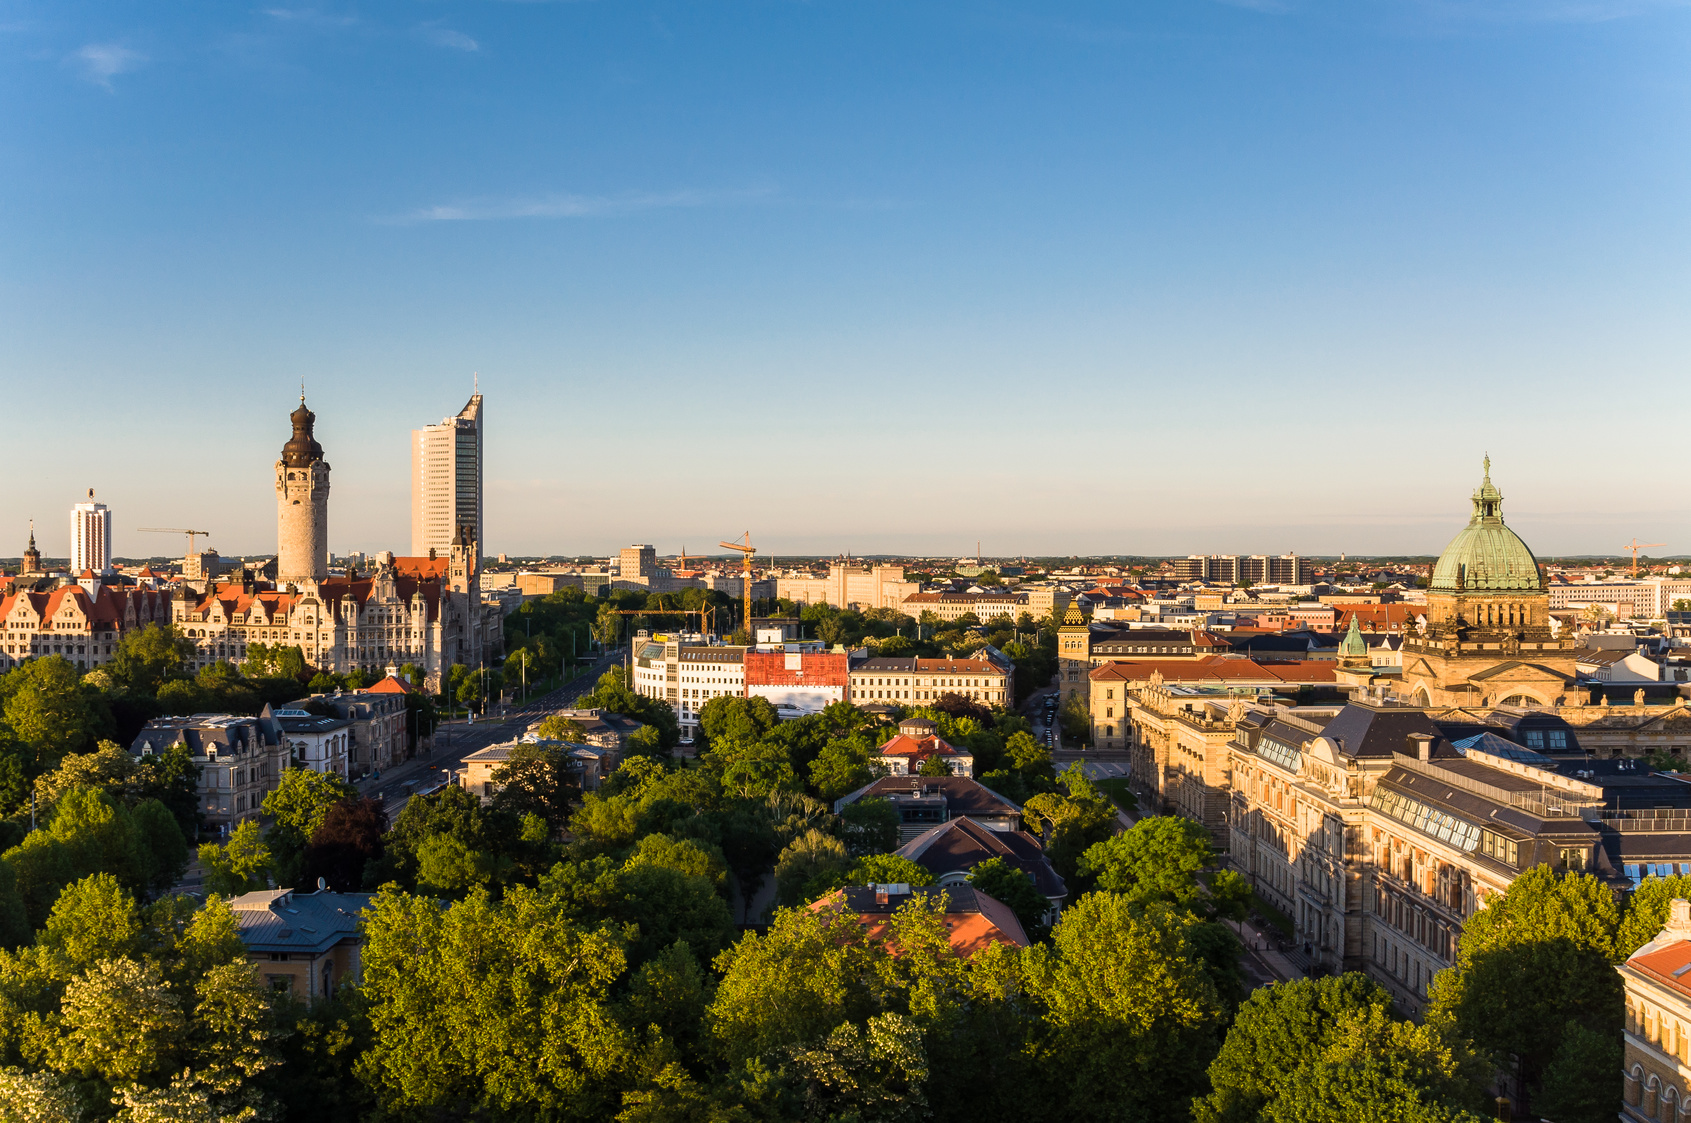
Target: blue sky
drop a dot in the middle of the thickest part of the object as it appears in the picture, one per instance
(1061, 277)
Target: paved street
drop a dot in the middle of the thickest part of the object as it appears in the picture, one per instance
(455, 740)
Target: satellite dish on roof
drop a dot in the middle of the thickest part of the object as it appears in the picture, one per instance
(321, 885)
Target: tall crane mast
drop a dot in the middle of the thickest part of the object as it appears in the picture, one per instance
(746, 550)
(1637, 546)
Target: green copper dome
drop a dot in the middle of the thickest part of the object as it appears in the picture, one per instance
(1487, 557)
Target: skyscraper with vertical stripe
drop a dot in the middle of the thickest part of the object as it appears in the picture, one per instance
(446, 481)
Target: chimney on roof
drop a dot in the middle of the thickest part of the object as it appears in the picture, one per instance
(1421, 745)
(1679, 918)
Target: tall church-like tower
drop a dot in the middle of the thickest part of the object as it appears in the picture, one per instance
(302, 506)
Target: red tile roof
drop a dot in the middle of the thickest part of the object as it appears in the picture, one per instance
(1668, 966)
(902, 744)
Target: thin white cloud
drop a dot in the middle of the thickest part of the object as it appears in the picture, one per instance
(311, 17)
(446, 37)
(101, 62)
(576, 206)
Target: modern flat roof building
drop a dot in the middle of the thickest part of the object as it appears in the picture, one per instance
(446, 480)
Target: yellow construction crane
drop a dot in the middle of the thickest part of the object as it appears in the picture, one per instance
(192, 534)
(747, 550)
(1637, 546)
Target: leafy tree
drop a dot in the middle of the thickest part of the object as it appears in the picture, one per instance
(658, 904)
(1158, 859)
(1076, 719)
(869, 826)
(811, 972)
(299, 803)
(1277, 1029)
(14, 919)
(536, 780)
(887, 869)
(1003, 882)
(239, 865)
(147, 657)
(741, 720)
(1582, 1083)
(1378, 1068)
(50, 710)
(1131, 1019)
(934, 766)
(349, 838)
(1543, 927)
(448, 841)
(1647, 912)
(813, 857)
(1070, 821)
(513, 1000)
(688, 855)
(560, 728)
(121, 1023)
(875, 1074)
(841, 768)
(90, 833)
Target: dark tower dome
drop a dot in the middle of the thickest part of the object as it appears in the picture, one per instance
(302, 448)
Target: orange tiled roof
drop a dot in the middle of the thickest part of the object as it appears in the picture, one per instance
(902, 744)
(1666, 966)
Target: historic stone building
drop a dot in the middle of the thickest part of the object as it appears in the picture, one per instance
(1657, 1055)
(302, 506)
(71, 621)
(1487, 638)
(427, 611)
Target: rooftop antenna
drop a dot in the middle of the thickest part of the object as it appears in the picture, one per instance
(476, 384)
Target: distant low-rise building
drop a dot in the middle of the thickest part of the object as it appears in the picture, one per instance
(305, 944)
(955, 606)
(807, 681)
(378, 735)
(951, 850)
(973, 920)
(924, 802)
(318, 743)
(922, 682)
(240, 759)
(915, 744)
(849, 586)
(687, 672)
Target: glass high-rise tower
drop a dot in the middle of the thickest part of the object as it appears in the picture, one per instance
(446, 481)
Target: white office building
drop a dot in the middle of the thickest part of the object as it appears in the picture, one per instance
(90, 537)
(446, 481)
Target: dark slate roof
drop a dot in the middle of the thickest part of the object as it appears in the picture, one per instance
(961, 844)
(283, 920)
(1377, 731)
(963, 796)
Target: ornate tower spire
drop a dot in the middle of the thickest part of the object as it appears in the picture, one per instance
(302, 504)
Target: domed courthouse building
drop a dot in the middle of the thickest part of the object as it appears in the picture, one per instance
(1488, 640)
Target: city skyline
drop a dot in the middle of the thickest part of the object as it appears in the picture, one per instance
(1365, 245)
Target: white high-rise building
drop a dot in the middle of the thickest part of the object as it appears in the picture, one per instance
(90, 537)
(446, 481)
